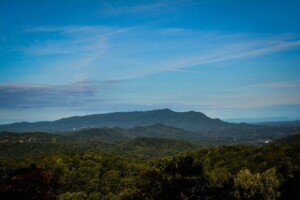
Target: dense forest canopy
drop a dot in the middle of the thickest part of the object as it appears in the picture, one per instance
(153, 161)
(51, 166)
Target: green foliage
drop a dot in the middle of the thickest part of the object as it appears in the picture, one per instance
(147, 148)
(290, 140)
(94, 196)
(256, 186)
(28, 183)
(177, 178)
(183, 177)
(270, 184)
(99, 134)
(73, 196)
(226, 172)
(29, 144)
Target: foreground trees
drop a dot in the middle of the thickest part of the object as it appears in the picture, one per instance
(29, 183)
(178, 178)
(237, 172)
(256, 186)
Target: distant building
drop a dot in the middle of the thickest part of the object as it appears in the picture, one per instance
(267, 141)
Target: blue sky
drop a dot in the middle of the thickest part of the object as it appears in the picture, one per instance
(225, 58)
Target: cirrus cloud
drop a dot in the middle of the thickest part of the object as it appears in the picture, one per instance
(42, 95)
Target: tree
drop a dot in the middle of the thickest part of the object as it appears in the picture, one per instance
(73, 196)
(31, 183)
(256, 186)
(179, 178)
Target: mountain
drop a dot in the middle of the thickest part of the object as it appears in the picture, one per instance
(99, 134)
(164, 131)
(185, 125)
(288, 141)
(153, 131)
(193, 121)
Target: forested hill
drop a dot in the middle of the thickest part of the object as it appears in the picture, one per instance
(194, 121)
(145, 168)
(289, 141)
(190, 121)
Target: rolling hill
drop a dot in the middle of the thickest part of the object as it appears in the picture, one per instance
(165, 123)
(110, 140)
(192, 121)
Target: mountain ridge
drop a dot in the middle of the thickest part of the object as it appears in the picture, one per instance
(185, 120)
(160, 123)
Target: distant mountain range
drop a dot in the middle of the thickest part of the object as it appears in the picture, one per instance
(164, 123)
(192, 121)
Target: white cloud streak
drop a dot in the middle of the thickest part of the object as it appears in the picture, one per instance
(240, 101)
(112, 9)
(71, 39)
(223, 56)
(233, 51)
(107, 50)
(280, 84)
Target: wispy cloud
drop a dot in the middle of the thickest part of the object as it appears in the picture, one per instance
(107, 50)
(187, 71)
(279, 84)
(210, 47)
(78, 30)
(244, 100)
(236, 50)
(70, 39)
(41, 95)
(147, 7)
(266, 86)
(114, 9)
(75, 49)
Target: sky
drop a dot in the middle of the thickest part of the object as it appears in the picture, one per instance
(225, 58)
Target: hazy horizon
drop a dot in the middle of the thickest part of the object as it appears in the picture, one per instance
(226, 59)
